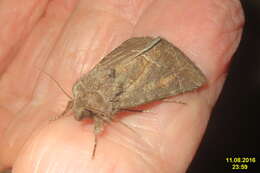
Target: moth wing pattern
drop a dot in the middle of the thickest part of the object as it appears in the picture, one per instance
(109, 78)
(161, 72)
(124, 80)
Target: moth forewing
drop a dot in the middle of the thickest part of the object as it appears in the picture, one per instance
(140, 70)
(161, 72)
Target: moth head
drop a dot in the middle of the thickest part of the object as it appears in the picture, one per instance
(88, 104)
(82, 113)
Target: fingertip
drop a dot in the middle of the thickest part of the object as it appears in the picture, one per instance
(61, 145)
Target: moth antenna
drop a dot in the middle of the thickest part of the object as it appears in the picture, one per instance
(67, 109)
(57, 83)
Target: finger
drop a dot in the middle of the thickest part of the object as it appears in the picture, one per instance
(69, 53)
(32, 57)
(17, 19)
(18, 83)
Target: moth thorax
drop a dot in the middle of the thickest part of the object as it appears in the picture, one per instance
(88, 104)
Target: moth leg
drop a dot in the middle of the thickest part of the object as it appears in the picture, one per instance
(108, 119)
(98, 128)
(95, 146)
(136, 110)
(67, 109)
(173, 101)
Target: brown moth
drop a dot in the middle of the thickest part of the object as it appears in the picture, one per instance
(140, 70)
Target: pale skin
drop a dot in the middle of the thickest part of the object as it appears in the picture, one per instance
(67, 38)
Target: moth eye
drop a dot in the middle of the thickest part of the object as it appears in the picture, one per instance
(83, 113)
(87, 113)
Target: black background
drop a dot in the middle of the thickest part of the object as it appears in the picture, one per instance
(233, 128)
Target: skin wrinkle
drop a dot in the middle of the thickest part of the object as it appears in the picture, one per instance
(52, 164)
(46, 61)
(228, 12)
(33, 149)
(124, 10)
(141, 127)
(134, 146)
(19, 18)
(54, 167)
(113, 16)
(182, 138)
(138, 153)
(231, 10)
(12, 124)
(145, 132)
(228, 52)
(227, 34)
(83, 60)
(139, 139)
(35, 88)
(53, 156)
(230, 49)
(41, 155)
(30, 99)
(219, 85)
(89, 47)
(23, 31)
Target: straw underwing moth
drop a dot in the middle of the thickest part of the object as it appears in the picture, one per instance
(139, 71)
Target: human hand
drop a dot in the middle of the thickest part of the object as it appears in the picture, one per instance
(64, 38)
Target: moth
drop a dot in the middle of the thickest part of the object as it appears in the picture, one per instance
(139, 71)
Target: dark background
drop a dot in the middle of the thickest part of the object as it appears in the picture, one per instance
(233, 129)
